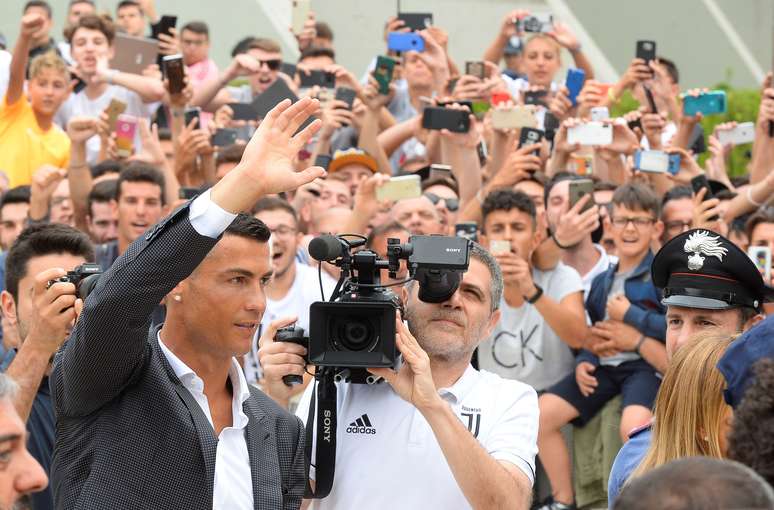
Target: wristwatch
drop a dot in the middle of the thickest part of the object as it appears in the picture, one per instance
(532, 300)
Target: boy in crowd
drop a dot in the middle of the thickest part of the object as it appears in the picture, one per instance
(624, 293)
(30, 138)
(544, 308)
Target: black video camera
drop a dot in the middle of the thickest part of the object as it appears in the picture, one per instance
(84, 277)
(355, 330)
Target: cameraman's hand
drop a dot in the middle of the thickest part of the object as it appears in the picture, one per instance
(278, 359)
(414, 382)
(53, 312)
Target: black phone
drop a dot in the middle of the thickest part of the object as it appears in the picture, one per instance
(456, 121)
(191, 114)
(482, 152)
(277, 92)
(224, 137)
(461, 102)
(699, 182)
(416, 21)
(529, 136)
(243, 111)
(175, 73)
(551, 125)
(347, 95)
(288, 68)
(580, 188)
(383, 73)
(536, 97)
(651, 100)
(323, 160)
(187, 193)
(317, 77)
(164, 25)
(468, 230)
(79, 85)
(646, 50)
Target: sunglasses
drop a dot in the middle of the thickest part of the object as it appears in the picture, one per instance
(452, 204)
(272, 64)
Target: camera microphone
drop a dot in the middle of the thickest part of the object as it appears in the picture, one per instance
(326, 247)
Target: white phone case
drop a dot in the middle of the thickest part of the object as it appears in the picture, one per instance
(590, 133)
(397, 188)
(653, 161)
(743, 133)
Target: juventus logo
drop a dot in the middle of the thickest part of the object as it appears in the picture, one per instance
(474, 422)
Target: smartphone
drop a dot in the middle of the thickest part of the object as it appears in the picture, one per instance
(288, 69)
(590, 133)
(187, 193)
(650, 99)
(699, 182)
(224, 137)
(383, 73)
(401, 41)
(347, 95)
(599, 113)
(191, 114)
(761, 257)
(536, 97)
(500, 97)
(126, 127)
(574, 84)
(243, 111)
(646, 50)
(656, 162)
(706, 103)
(499, 247)
(550, 125)
(517, 117)
(580, 188)
(467, 230)
(300, 14)
(175, 73)
(581, 165)
(164, 25)
(604, 89)
(438, 171)
(114, 109)
(482, 152)
(456, 121)
(317, 77)
(397, 188)
(536, 23)
(476, 69)
(743, 133)
(416, 21)
(530, 136)
(462, 102)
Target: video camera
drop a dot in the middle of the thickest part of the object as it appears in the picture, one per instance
(355, 330)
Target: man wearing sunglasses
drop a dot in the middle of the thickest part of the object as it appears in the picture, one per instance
(444, 195)
(260, 63)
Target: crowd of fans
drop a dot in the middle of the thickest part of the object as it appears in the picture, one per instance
(631, 307)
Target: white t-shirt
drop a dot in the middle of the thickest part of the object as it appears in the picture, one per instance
(78, 105)
(387, 456)
(601, 266)
(523, 346)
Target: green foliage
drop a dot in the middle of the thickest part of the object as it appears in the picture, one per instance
(742, 107)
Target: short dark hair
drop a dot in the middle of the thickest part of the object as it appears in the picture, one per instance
(39, 3)
(230, 154)
(324, 30)
(274, 204)
(129, 3)
(197, 27)
(392, 226)
(505, 200)
(605, 186)
(556, 179)
(40, 240)
(637, 196)
(141, 172)
(241, 46)
(93, 22)
(671, 68)
(106, 167)
(17, 195)
(697, 483)
(442, 181)
(761, 216)
(248, 227)
(103, 191)
(264, 44)
(74, 2)
(751, 441)
(676, 193)
(317, 51)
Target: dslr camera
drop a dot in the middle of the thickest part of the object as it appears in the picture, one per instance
(536, 23)
(84, 277)
(355, 330)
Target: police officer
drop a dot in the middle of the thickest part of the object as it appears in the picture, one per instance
(707, 282)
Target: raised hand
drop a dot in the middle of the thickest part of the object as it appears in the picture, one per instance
(80, 129)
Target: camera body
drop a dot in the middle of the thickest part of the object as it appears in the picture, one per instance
(536, 23)
(355, 330)
(84, 277)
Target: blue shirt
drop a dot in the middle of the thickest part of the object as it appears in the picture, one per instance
(627, 460)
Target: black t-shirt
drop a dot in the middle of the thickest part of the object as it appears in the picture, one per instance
(40, 441)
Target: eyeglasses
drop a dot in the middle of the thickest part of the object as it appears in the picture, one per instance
(638, 222)
(452, 204)
(283, 231)
(272, 64)
(675, 226)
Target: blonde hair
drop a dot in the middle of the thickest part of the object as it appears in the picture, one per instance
(548, 39)
(689, 406)
(48, 60)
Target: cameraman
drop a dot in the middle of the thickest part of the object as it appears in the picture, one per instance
(439, 423)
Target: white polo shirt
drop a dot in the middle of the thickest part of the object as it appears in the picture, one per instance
(387, 456)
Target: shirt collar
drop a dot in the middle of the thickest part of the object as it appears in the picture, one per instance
(459, 389)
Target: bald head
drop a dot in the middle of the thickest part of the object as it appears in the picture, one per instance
(418, 215)
(331, 220)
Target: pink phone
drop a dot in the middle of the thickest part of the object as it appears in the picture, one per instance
(126, 127)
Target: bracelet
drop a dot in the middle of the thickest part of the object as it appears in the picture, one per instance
(639, 344)
(111, 73)
(553, 236)
(750, 198)
(532, 300)
(478, 196)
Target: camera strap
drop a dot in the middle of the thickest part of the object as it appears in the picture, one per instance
(323, 405)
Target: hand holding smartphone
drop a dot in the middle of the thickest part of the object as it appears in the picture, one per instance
(398, 188)
(126, 127)
(580, 188)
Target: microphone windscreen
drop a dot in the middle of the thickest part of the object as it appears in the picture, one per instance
(325, 247)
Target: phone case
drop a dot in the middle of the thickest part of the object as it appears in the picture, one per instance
(400, 41)
(590, 133)
(600, 113)
(475, 69)
(126, 127)
(646, 50)
(468, 230)
(347, 95)
(578, 189)
(456, 121)
(707, 103)
(761, 256)
(397, 188)
(114, 109)
(224, 137)
(651, 161)
(173, 70)
(674, 164)
(383, 73)
(574, 83)
(530, 136)
(416, 21)
(500, 97)
(191, 114)
(299, 15)
(743, 133)
(499, 247)
(518, 117)
(317, 77)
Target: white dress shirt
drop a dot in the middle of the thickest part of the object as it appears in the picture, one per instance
(233, 487)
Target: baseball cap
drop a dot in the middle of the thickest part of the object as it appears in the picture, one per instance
(736, 365)
(352, 155)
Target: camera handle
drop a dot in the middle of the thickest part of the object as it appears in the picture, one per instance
(323, 405)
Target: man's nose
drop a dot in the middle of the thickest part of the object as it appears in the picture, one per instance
(31, 477)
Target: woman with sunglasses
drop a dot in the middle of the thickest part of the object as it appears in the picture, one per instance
(444, 195)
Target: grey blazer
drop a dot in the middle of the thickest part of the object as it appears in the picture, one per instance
(128, 433)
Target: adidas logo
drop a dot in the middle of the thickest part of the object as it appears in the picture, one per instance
(361, 426)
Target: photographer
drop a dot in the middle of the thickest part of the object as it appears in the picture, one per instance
(437, 422)
(184, 428)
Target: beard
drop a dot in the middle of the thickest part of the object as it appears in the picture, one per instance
(441, 346)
